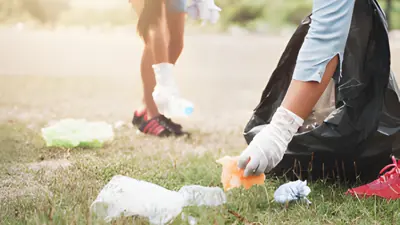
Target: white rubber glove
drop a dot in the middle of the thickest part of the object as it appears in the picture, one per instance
(268, 147)
(204, 10)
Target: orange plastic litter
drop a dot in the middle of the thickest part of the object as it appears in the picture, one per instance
(232, 176)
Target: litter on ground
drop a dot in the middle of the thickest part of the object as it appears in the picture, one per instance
(292, 191)
(232, 176)
(125, 196)
(72, 133)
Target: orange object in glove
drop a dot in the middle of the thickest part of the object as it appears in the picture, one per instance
(232, 176)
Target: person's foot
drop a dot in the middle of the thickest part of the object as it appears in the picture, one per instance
(386, 186)
(169, 128)
(139, 117)
(172, 123)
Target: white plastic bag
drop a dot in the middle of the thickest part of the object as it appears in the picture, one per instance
(292, 191)
(125, 196)
(204, 10)
(72, 133)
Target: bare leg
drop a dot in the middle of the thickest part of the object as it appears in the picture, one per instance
(155, 51)
(302, 96)
(158, 40)
(176, 28)
(149, 83)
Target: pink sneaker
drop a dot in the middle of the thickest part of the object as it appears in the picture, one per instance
(386, 186)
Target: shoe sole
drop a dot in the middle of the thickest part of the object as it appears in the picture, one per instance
(138, 120)
(185, 135)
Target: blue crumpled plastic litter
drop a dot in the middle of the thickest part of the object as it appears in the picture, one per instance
(292, 191)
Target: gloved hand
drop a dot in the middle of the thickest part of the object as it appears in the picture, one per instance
(205, 10)
(268, 147)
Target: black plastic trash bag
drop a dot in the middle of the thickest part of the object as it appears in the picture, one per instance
(353, 129)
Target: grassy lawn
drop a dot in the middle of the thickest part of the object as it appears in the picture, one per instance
(42, 185)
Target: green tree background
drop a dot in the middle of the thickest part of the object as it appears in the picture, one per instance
(245, 13)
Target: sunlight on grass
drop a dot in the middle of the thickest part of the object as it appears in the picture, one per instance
(71, 190)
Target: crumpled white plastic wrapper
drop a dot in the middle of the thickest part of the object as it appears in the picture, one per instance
(77, 132)
(125, 196)
(295, 190)
(204, 10)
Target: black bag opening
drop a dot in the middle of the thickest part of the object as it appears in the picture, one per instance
(354, 128)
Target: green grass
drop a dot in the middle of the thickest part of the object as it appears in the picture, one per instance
(63, 196)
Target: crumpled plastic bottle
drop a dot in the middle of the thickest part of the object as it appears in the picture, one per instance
(125, 196)
(166, 94)
(291, 191)
(196, 195)
(173, 106)
(72, 133)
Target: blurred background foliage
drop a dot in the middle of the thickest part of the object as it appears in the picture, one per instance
(243, 13)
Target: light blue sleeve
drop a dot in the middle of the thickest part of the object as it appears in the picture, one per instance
(326, 38)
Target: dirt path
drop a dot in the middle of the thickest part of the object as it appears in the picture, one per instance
(95, 75)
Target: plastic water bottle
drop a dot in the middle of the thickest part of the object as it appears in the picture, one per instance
(173, 105)
(176, 107)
